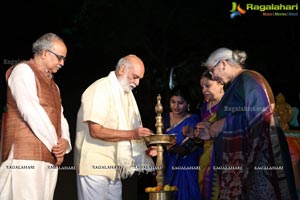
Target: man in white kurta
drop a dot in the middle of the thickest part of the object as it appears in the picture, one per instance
(34, 179)
(109, 144)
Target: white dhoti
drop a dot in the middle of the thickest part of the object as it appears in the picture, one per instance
(98, 187)
(27, 179)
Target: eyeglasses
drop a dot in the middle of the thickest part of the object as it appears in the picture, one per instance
(211, 69)
(59, 57)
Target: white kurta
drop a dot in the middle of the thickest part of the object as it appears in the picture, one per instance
(26, 179)
(106, 103)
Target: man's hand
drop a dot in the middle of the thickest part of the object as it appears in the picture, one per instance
(59, 161)
(59, 150)
(141, 132)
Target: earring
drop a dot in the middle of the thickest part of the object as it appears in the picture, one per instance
(188, 107)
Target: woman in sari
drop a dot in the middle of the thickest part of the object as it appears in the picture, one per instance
(181, 160)
(208, 179)
(252, 155)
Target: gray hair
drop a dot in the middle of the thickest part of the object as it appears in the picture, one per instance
(44, 42)
(123, 61)
(126, 61)
(235, 57)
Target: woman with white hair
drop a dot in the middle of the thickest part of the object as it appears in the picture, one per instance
(252, 156)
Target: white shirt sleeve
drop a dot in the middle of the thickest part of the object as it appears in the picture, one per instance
(65, 131)
(23, 88)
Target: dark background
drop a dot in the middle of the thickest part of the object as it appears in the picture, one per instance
(164, 34)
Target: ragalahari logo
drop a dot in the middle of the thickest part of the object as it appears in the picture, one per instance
(236, 10)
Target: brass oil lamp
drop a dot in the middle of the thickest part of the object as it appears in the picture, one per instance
(159, 139)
